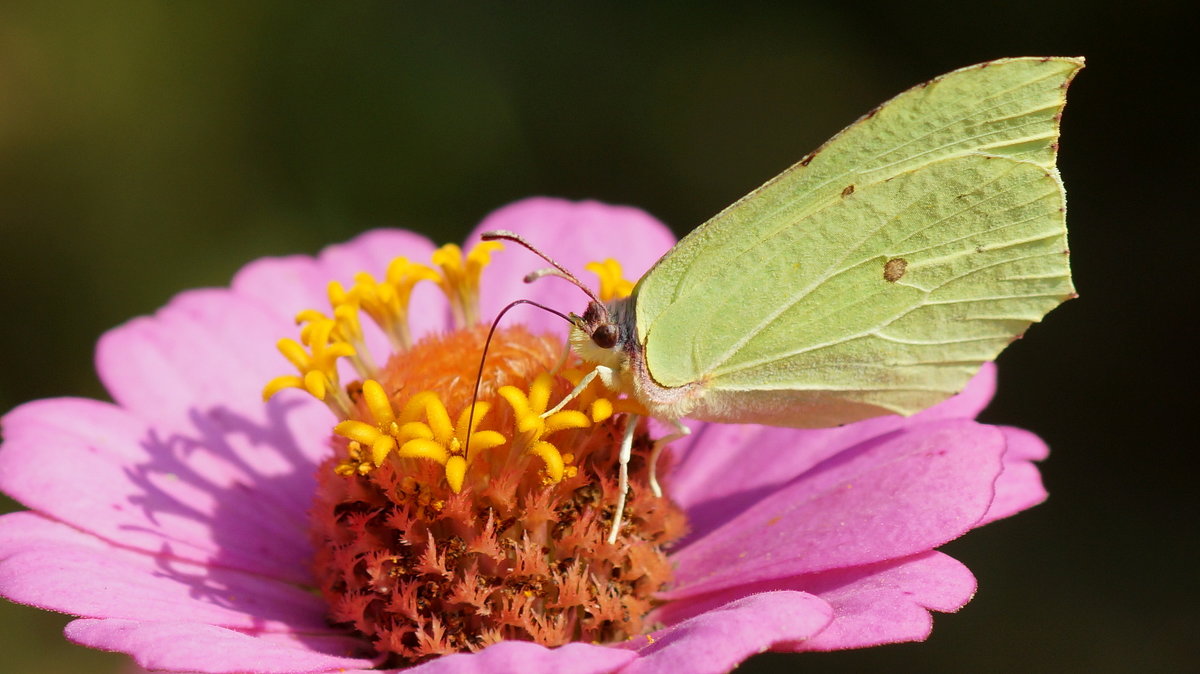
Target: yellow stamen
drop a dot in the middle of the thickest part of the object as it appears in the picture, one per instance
(480, 440)
(439, 421)
(318, 367)
(456, 472)
(346, 327)
(377, 402)
(527, 411)
(529, 407)
(281, 382)
(415, 429)
(383, 436)
(460, 278)
(354, 463)
(381, 448)
(328, 339)
(387, 302)
(613, 285)
(358, 431)
(423, 427)
(601, 409)
(424, 449)
(599, 401)
(435, 438)
(551, 456)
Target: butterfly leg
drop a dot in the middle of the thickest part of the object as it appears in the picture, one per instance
(623, 479)
(583, 383)
(681, 431)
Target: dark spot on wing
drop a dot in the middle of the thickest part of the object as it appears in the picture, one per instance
(807, 159)
(848, 191)
(894, 268)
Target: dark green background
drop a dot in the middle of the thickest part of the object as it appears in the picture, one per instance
(146, 148)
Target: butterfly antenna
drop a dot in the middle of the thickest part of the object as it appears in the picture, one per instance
(562, 272)
(546, 271)
(486, 344)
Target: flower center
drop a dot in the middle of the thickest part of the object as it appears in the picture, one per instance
(445, 522)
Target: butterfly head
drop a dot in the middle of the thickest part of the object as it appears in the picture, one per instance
(600, 335)
(603, 333)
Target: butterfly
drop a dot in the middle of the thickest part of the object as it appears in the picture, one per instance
(873, 277)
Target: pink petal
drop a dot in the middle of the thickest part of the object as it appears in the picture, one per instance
(887, 603)
(1020, 485)
(899, 496)
(720, 638)
(206, 348)
(197, 647)
(969, 402)
(719, 467)
(522, 657)
(212, 347)
(195, 372)
(573, 233)
(232, 493)
(286, 285)
(875, 604)
(53, 566)
(289, 285)
(206, 355)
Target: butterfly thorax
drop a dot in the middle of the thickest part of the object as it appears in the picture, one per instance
(606, 334)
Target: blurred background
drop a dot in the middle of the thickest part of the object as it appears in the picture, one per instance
(150, 147)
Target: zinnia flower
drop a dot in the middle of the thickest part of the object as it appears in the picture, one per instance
(365, 517)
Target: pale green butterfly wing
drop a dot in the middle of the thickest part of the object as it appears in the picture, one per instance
(878, 274)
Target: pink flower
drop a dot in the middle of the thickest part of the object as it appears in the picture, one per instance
(175, 523)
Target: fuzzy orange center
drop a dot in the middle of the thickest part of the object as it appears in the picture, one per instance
(445, 522)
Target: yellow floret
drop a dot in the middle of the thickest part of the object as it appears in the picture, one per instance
(436, 438)
(528, 408)
(317, 366)
(387, 302)
(613, 284)
(460, 278)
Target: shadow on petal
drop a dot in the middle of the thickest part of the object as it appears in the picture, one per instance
(197, 490)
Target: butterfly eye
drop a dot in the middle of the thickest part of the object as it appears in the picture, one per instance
(605, 336)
